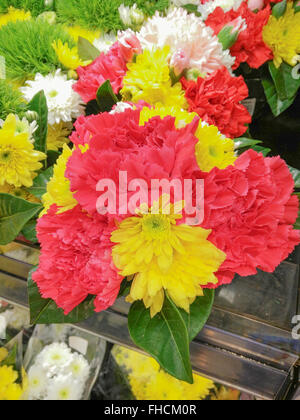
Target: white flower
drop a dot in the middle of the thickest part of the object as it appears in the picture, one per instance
(79, 368)
(131, 16)
(55, 358)
(2, 327)
(104, 43)
(188, 36)
(120, 107)
(17, 318)
(63, 103)
(64, 388)
(37, 382)
(179, 3)
(207, 8)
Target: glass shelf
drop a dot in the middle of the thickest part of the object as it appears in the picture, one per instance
(247, 343)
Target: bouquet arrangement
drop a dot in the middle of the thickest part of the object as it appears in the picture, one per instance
(158, 192)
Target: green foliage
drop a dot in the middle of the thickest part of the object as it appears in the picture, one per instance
(106, 98)
(167, 336)
(102, 14)
(10, 100)
(36, 7)
(27, 48)
(38, 104)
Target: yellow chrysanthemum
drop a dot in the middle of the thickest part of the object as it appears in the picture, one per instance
(68, 56)
(58, 135)
(78, 31)
(283, 36)
(14, 15)
(58, 188)
(18, 192)
(9, 390)
(164, 256)
(149, 382)
(148, 79)
(19, 161)
(212, 150)
(226, 394)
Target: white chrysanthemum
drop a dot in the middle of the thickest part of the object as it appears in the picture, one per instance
(63, 103)
(55, 358)
(64, 388)
(207, 8)
(131, 16)
(37, 382)
(17, 318)
(191, 41)
(121, 107)
(104, 43)
(179, 3)
(79, 368)
(2, 327)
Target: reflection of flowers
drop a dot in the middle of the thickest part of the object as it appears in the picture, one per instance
(10, 390)
(149, 382)
(57, 374)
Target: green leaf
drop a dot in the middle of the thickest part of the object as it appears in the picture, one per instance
(260, 149)
(296, 176)
(277, 105)
(39, 187)
(29, 231)
(45, 311)
(243, 142)
(192, 8)
(286, 85)
(199, 313)
(125, 288)
(86, 50)
(165, 337)
(52, 157)
(106, 98)
(279, 9)
(38, 104)
(14, 214)
(11, 358)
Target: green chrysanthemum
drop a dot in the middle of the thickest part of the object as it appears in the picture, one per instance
(11, 101)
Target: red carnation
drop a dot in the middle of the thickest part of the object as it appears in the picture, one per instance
(216, 99)
(111, 66)
(76, 260)
(249, 46)
(251, 211)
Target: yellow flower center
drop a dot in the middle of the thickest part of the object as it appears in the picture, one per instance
(5, 156)
(64, 394)
(155, 225)
(53, 94)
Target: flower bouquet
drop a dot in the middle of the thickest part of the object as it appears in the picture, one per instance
(160, 194)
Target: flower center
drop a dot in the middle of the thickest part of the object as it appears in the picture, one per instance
(155, 225)
(5, 156)
(64, 394)
(53, 94)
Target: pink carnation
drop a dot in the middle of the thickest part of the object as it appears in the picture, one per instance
(76, 260)
(111, 66)
(251, 211)
(118, 143)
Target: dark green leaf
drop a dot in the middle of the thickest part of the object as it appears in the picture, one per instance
(285, 83)
(192, 8)
(164, 337)
(86, 50)
(106, 98)
(45, 311)
(29, 231)
(244, 142)
(52, 157)
(199, 313)
(260, 149)
(277, 105)
(92, 108)
(14, 214)
(38, 104)
(39, 187)
(125, 288)
(279, 9)
(296, 176)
